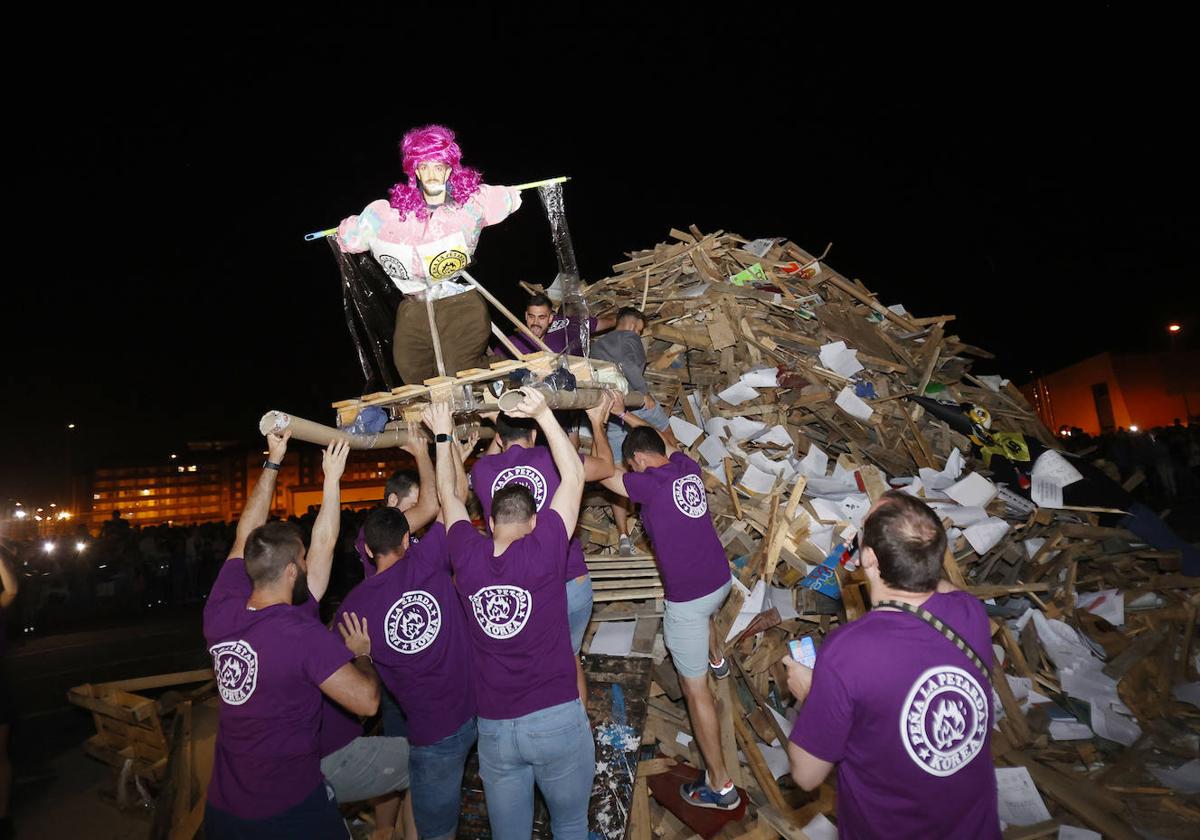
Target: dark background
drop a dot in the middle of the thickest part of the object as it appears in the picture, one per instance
(1035, 178)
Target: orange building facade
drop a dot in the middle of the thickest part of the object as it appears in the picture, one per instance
(1114, 390)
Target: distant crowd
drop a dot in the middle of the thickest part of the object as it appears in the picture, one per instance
(1160, 465)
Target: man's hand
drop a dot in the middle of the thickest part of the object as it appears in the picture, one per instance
(418, 441)
(598, 414)
(532, 404)
(354, 633)
(277, 446)
(465, 450)
(333, 462)
(799, 678)
(648, 403)
(437, 417)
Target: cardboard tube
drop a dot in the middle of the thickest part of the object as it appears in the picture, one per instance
(393, 436)
(570, 400)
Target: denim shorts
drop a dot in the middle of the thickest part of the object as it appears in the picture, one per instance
(685, 630)
(437, 775)
(367, 767)
(617, 431)
(579, 608)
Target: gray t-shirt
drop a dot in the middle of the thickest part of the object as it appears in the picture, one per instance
(625, 348)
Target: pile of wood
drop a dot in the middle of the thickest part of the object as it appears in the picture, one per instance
(789, 390)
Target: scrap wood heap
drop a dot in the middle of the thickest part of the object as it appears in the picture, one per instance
(787, 381)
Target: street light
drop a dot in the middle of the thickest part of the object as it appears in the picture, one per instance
(48, 547)
(70, 425)
(1173, 328)
(80, 546)
(20, 514)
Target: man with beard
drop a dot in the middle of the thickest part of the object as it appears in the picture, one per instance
(422, 237)
(551, 326)
(274, 661)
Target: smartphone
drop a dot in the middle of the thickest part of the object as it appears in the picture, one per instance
(803, 651)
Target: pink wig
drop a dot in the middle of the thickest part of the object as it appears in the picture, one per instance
(431, 143)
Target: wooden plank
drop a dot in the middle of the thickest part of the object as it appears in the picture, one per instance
(758, 765)
(726, 711)
(1068, 793)
(644, 634)
(160, 681)
(782, 824)
(627, 594)
(639, 818)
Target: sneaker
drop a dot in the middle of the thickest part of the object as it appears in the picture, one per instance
(720, 669)
(698, 793)
(625, 546)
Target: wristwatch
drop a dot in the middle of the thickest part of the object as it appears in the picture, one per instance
(270, 465)
(441, 438)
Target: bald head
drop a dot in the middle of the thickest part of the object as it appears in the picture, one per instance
(908, 541)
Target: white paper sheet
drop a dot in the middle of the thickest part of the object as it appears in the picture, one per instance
(685, 431)
(840, 359)
(972, 491)
(854, 507)
(756, 481)
(759, 247)
(1052, 466)
(751, 607)
(1045, 493)
(716, 426)
(784, 600)
(713, 451)
(1070, 832)
(776, 758)
(762, 462)
(697, 406)
(984, 536)
(822, 537)
(963, 516)
(815, 463)
(760, 378)
(1069, 730)
(737, 393)
(784, 724)
(1185, 778)
(613, 638)
(1109, 604)
(993, 382)
(827, 510)
(775, 436)
(853, 405)
(820, 828)
(1108, 724)
(941, 479)
(741, 429)
(1020, 802)
(683, 738)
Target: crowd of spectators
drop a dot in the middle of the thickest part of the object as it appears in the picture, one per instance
(1161, 466)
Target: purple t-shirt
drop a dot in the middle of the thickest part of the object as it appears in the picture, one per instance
(516, 609)
(269, 666)
(691, 559)
(532, 467)
(920, 760)
(555, 337)
(419, 638)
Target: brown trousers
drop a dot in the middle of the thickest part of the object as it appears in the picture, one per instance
(463, 325)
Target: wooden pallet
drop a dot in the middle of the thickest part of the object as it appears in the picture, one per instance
(617, 578)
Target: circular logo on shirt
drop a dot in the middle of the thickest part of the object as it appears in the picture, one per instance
(413, 622)
(944, 721)
(502, 610)
(526, 477)
(690, 497)
(393, 268)
(235, 665)
(447, 263)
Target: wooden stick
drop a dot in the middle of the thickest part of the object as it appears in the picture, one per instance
(758, 765)
(433, 334)
(508, 345)
(504, 311)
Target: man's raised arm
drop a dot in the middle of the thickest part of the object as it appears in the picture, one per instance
(437, 417)
(566, 459)
(329, 520)
(599, 465)
(426, 508)
(258, 506)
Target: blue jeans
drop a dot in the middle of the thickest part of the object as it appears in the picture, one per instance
(317, 817)
(552, 747)
(436, 773)
(579, 609)
(617, 431)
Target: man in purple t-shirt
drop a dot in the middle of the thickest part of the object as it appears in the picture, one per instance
(274, 662)
(512, 458)
(411, 493)
(696, 581)
(919, 762)
(423, 658)
(550, 327)
(532, 724)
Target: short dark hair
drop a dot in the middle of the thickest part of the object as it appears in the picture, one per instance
(514, 428)
(385, 530)
(513, 503)
(642, 439)
(539, 300)
(909, 541)
(401, 483)
(630, 312)
(269, 549)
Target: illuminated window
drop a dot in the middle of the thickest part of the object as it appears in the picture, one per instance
(97, 497)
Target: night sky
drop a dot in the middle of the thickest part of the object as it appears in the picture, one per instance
(1037, 179)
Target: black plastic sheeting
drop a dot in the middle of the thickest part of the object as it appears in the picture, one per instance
(369, 301)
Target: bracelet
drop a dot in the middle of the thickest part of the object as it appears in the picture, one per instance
(369, 659)
(271, 465)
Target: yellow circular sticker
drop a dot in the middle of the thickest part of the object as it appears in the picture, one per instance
(447, 264)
